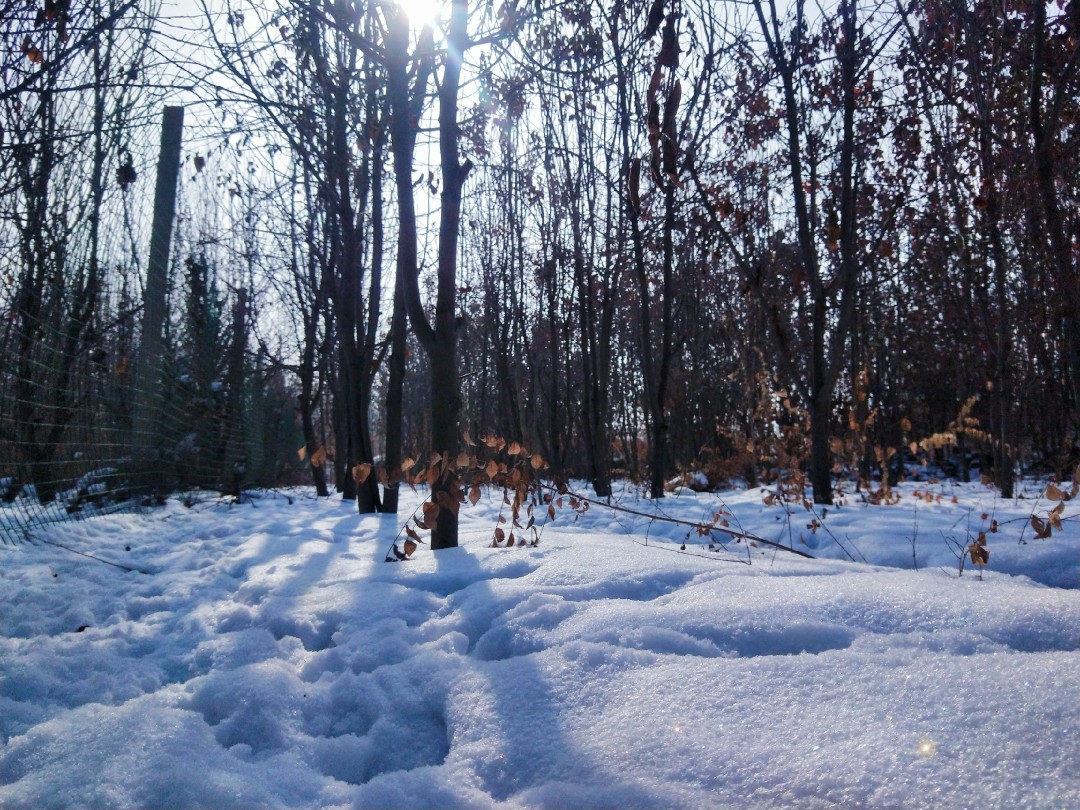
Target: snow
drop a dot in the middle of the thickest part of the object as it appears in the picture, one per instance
(265, 656)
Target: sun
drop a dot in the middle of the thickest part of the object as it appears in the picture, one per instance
(422, 12)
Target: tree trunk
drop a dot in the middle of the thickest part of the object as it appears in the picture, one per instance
(395, 397)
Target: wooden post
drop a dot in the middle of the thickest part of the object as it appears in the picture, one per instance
(147, 394)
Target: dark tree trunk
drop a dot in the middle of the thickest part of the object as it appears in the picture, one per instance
(395, 397)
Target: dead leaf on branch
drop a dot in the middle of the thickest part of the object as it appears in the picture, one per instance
(1054, 518)
(1055, 494)
(669, 44)
(448, 502)
(656, 16)
(1042, 530)
(979, 553)
(633, 185)
(31, 51)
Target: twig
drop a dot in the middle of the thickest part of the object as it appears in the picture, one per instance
(664, 519)
(914, 538)
(90, 556)
(828, 531)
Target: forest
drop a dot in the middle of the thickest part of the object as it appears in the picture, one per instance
(353, 245)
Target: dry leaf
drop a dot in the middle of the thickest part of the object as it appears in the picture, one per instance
(360, 472)
(980, 555)
(1042, 530)
(1055, 494)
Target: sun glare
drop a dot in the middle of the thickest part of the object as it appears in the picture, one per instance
(422, 12)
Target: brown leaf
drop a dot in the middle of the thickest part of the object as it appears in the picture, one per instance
(669, 45)
(654, 88)
(1055, 494)
(448, 502)
(360, 472)
(500, 535)
(31, 51)
(633, 185)
(1042, 530)
(652, 123)
(671, 109)
(537, 461)
(464, 460)
(410, 547)
(302, 453)
(491, 469)
(474, 494)
(318, 457)
(656, 16)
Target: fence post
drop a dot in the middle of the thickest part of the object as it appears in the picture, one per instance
(147, 394)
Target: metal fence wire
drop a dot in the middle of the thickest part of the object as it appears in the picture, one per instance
(97, 413)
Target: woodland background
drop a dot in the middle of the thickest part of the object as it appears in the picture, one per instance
(758, 241)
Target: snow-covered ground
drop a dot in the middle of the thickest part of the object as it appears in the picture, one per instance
(267, 657)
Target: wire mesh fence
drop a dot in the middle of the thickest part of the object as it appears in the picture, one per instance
(103, 407)
(74, 445)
